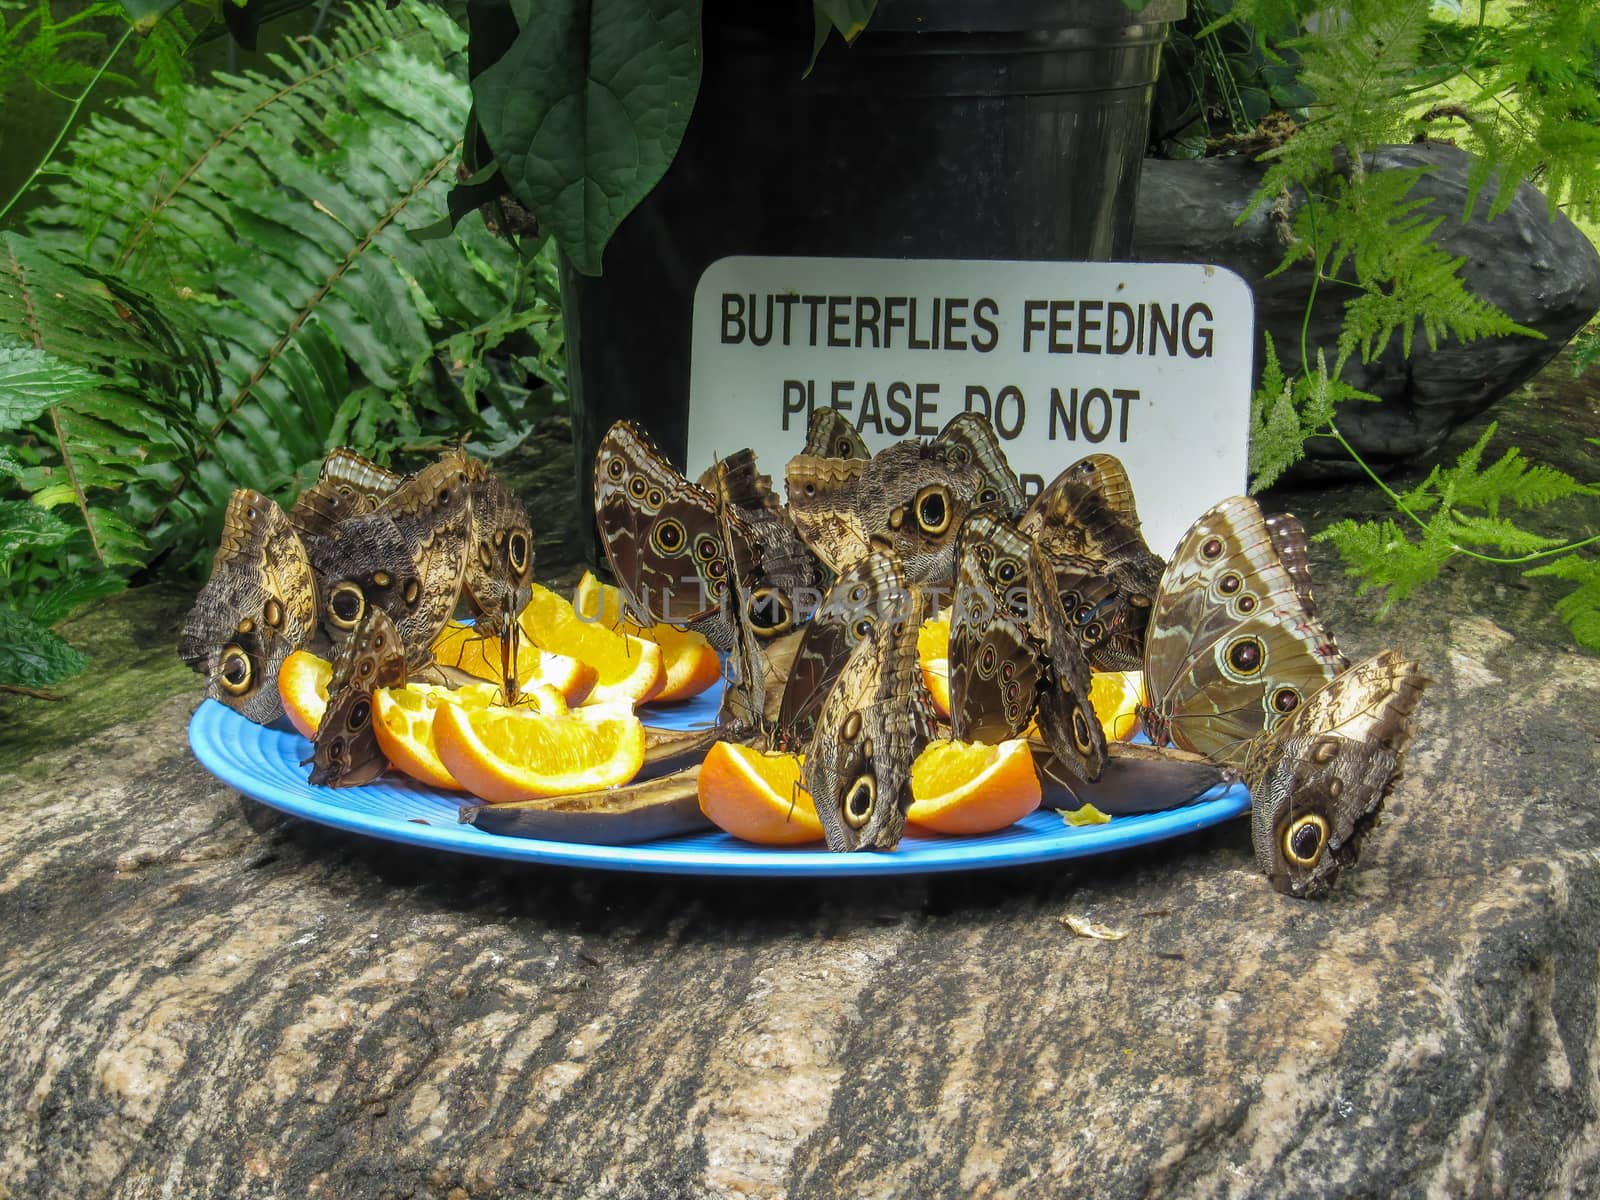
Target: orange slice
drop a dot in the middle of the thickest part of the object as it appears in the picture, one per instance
(968, 787)
(690, 662)
(630, 668)
(507, 754)
(303, 687)
(403, 723)
(404, 717)
(1115, 696)
(462, 647)
(933, 657)
(757, 796)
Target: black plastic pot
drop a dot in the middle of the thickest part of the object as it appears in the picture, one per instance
(1006, 129)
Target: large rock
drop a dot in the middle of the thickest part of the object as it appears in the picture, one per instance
(204, 998)
(1543, 273)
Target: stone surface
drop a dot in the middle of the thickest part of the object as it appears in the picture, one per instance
(1544, 274)
(204, 998)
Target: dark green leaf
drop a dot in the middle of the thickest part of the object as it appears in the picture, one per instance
(143, 10)
(73, 593)
(32, 381)
(243, 20)
(585, 111)
(25, 526)
(32, 656)
(850, 17)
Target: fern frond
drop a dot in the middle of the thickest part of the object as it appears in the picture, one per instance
(1579, 608)
(280, 211)
(1541, 94)
(148, 374)
(1511, 479)
(1361, 65)
(1382, 557)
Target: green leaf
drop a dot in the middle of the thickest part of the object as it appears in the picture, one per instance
(587, 108)
(850, 17)
(32, 381)
(25, 526)
(147, 10)
(32, 656)
(73, 593)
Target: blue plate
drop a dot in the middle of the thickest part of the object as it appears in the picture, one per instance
(264, 762)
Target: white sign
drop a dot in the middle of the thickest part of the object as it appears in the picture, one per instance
(1147, 361)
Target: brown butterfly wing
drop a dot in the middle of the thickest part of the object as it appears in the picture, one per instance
(498, 579)
(661, 532)
(829, 434)
(1088, 510)
(259, 605)
(1232, 647)
(973, 440)
(348, 486)
(994, 664)
(408, 558)
(1318, 781)
(1066, 718)
(876, 720)
(868, 593)
(1107, 624)
(788, 579)
(822, 502)
(345, 752)
(911, 500)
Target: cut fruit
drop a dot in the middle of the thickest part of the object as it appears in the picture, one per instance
(630, 668)
(303, 687)
(1116, 696)
(507, 754)
(757, 796)
(402, 720)
(462, 647)
(933, 657)
(690, 663)
(968, 787)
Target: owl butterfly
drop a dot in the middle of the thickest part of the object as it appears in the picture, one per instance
(1318, 780)
(876, 720)
(259, 605)
(498, 579)
(345, 752)
(1066, 711)
(787, 578)
(407, 557)
(663, 536)
(871, 592)
(972, 440)
(1235, 643)
(829, 434)
(995, 670)
(1088, 525)
(909, 499)
(348, 486)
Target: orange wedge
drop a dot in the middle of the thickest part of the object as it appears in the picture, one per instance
(689, 661)
(933, 657)
(303, 687)
(630, 668)
(404, 719)
(403, 724)
(462, 647)
(1115, 696)
(507, 754)
(757, 796)
(968, 787)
